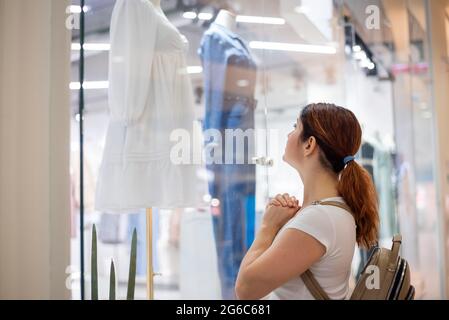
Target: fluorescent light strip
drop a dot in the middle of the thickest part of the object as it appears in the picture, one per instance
(92, 46)
(301, 9)
(359, 55)
(306, 48)
(96, 85)
(261, 20)
(77, 9)
(356, 48)
(205, 16)
(242, 19)
(90, 85)
(194, 69)
(189, 15)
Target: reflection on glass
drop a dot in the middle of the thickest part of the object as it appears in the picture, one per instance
(247, 67)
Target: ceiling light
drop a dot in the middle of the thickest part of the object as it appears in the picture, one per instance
(361, 55)
(242, 83)
(242, 19)
(194, 69)
(364, 63)
(77, 9)
(205, 16)
(75, 86)
(90, 85)
(207, 198)
(301, 9)
(260, 20)
(92, 46)
(307, 48)
(189, 15)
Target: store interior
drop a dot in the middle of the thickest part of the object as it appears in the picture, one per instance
(361, 70)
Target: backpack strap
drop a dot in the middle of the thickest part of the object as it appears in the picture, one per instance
(397, 240)
(307, 277)
(314, 287)
(339, 204)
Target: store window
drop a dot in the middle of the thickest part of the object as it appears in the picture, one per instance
(249, 66)
(418, 163)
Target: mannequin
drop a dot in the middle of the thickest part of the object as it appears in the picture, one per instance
(227, 19)
(230, 106)
(156, 3)
(136, 171)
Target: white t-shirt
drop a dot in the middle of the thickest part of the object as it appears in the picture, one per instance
(335, 228)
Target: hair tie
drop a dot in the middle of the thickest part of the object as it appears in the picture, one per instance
(348, 159)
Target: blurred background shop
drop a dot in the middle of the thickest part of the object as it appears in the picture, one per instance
(387, 61)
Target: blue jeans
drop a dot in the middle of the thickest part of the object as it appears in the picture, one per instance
(234, 185)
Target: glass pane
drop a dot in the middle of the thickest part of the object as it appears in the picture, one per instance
(369, 94)
(424, 257)
(191, 244)
(75, 173)
(234, 76)
(304, 60)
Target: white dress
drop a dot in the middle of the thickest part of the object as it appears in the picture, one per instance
(150, 95)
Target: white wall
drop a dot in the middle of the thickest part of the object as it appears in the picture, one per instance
(34, 149)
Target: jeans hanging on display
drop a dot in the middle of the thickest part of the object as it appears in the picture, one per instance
(229, 82)
(109, 229)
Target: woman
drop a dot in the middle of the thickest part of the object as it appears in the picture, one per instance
(321, 238)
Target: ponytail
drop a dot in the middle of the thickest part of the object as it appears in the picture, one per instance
(357, 189)
(338, 134)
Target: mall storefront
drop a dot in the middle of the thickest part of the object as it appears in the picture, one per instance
(380, 59)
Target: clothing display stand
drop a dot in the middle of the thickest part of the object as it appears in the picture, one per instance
(149, 240)
(149, 233)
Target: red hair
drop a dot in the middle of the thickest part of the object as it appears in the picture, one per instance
(338, 134)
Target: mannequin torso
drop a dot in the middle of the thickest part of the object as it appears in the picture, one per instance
(227, 19)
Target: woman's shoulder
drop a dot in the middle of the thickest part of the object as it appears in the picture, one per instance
(323, 216)
(328, 224)
(326, 207)
(313, 214)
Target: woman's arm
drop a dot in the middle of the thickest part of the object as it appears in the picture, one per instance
(261, 244)
(267, 266)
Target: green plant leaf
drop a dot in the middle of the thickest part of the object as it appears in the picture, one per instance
(112, 282)
(94, 270)
(132, 267)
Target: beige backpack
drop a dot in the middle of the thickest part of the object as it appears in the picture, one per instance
(386, 276)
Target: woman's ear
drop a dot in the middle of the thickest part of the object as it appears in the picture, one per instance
(310, 146)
